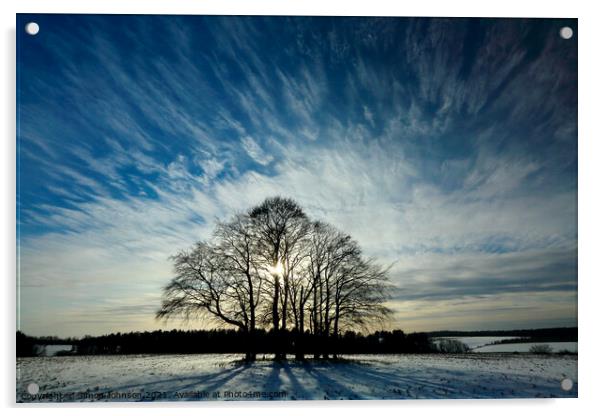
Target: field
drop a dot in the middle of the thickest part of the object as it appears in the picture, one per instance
(488, 344)
(223, 377)
(476, 342)
(525, 346)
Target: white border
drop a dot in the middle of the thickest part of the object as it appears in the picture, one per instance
(590, 176)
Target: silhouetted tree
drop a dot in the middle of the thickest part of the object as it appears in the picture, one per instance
(349, 291)
(207, 285)
(236, 248)
(281, 227)
(273, 267)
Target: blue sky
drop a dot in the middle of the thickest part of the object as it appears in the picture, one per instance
(447, 147)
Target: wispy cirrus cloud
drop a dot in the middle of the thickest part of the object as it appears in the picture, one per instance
(415, 136)
(255, 151)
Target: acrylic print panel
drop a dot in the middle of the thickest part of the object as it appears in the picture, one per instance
(296, 208)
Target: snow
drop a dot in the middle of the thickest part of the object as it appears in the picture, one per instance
(524, 347)
(225, 377)
(484, 344)
(475, 342)
(50, 350)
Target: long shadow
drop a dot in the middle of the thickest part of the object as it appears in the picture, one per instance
(273, 381)
(222, 375)
(218, 379)
(472, 387)
(299, 389)
(330, 385)
(367, 375)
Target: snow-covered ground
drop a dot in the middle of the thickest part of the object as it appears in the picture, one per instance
(51, 350)
(525, 346)
(476, 342)
(487, 344)
(222, 377)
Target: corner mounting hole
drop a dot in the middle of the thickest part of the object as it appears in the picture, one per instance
(32, 28)
(566, 384)
(33, 388)
(566, 32)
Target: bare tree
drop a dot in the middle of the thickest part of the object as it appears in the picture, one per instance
(237, 248)
(219, 281)
(202, 288)
(348, 291)
(272, 267)
(360, 292)
(281, 226)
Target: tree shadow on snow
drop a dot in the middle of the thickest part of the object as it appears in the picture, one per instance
(208, 382)
(332, 388)
(445, 383)
(300, 391)
(325, 380)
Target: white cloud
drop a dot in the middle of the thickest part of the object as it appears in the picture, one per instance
(255, 151)
(107, 254)
(366, 190)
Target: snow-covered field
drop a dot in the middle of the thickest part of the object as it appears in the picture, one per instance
(222, 377)
(476, 342)
(525, 346)
(487, 344)
(51, 350)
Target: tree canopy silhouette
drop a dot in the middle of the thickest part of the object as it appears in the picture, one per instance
(273, 268)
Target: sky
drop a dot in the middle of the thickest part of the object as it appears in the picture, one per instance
(446, 147)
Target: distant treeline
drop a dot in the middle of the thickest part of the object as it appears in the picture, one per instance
(232, 341)
(562, 334)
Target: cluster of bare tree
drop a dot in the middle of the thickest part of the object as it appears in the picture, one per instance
(272, 267)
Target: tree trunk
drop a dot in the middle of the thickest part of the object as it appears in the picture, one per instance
(250, 354)
(335, 331)
(316, 328)
(278, 353)
(285, 304)
(252, 347)
(300, 344)
(275, 316)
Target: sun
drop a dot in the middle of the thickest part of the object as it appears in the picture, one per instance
(278, 269)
